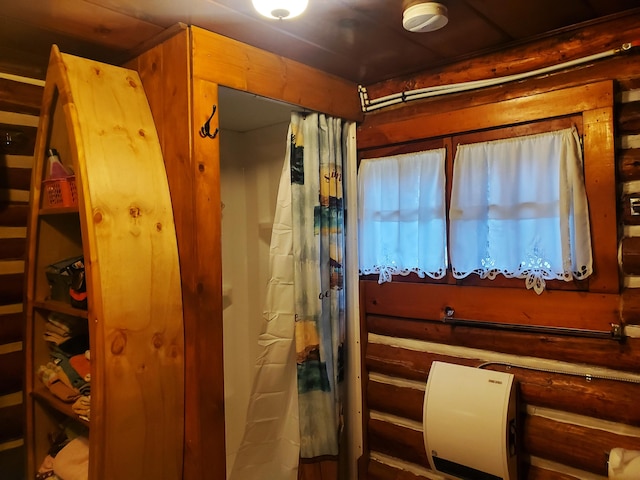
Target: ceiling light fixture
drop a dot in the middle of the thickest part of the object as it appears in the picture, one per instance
(424, 16)
(280, 9)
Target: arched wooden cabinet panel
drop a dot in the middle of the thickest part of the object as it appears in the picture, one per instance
(98, 119)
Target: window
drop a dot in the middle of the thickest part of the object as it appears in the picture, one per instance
(518, 208)
(592, 303)
(402, 215)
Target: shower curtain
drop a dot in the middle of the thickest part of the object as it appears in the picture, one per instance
(295, 408)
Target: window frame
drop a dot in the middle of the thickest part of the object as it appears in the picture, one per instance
(590, 109)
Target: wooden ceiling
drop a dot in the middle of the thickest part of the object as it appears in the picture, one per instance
(359, 40)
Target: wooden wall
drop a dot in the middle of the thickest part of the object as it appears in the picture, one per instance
(568, 422)
(19, 109)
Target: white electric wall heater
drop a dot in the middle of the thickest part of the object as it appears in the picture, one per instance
(469, 422)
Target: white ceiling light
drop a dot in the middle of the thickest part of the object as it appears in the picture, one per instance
(280, 9)
(425, 17)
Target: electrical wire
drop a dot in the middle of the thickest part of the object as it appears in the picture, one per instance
(368, 104)
(587, 376)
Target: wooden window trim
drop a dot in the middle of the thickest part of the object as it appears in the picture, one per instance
(590, 107)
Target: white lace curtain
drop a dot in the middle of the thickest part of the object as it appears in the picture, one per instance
(519, 208)
(401, 215)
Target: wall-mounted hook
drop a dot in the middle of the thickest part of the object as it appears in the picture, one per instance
(205, 130)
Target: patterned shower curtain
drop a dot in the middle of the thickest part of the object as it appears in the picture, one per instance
(295, 408)
(318, 249)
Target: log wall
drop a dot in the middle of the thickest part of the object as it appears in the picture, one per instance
(19, 109)
(578, 396)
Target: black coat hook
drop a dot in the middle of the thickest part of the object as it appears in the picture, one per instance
(205, 130)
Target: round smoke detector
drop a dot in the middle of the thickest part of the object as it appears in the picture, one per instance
(425, 17)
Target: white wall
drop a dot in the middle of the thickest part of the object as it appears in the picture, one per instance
(250, 165)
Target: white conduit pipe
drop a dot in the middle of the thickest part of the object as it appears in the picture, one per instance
(388, 100)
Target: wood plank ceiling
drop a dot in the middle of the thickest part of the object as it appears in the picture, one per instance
(360, 40)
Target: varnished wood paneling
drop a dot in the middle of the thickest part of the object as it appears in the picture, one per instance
(591, 39)
(608, 353)
(12, 462)
(590, 400)
(404, 402)
(600, 182)
(577, 446)
(326, 469)
(361, 40)
(11, 288)
(530, 108)
(628, 118)
(16, 178)
(14, 215)
(574, 445)
(24, 139)
(208, 287)
(627, 84)
(12, 248)
(193, 180)
(20, 97)
(397, 362)
(11, 421)
(88, 21)
(631, 306)
(598, 398)
(594, 72)
(629, 164)
(380, 471)
(631, 255)
(553, 308)
(11, 372)
(537, 473)
(397, 441)
(242, 67)
(11, 328)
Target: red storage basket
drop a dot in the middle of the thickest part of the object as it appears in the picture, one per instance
(60, 192)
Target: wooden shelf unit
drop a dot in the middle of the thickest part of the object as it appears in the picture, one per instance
(97, 117)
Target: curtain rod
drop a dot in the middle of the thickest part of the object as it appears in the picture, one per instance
(616, 332)
(368, 104)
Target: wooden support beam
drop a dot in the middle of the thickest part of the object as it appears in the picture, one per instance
(237, 65)
(606, 399)
(553, 308)
(628, 162)
(20, 97)
(628, 118)
(606, 353)
(580, 447)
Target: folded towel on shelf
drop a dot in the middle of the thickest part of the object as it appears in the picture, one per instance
(60, 328)
(72, 462)
(82, 407)
(81, 364)
(46, 469)
(76, 381)
(50, 376)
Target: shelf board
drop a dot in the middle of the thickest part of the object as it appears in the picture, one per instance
(58, 210)
(61, 307)
(45, 397)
